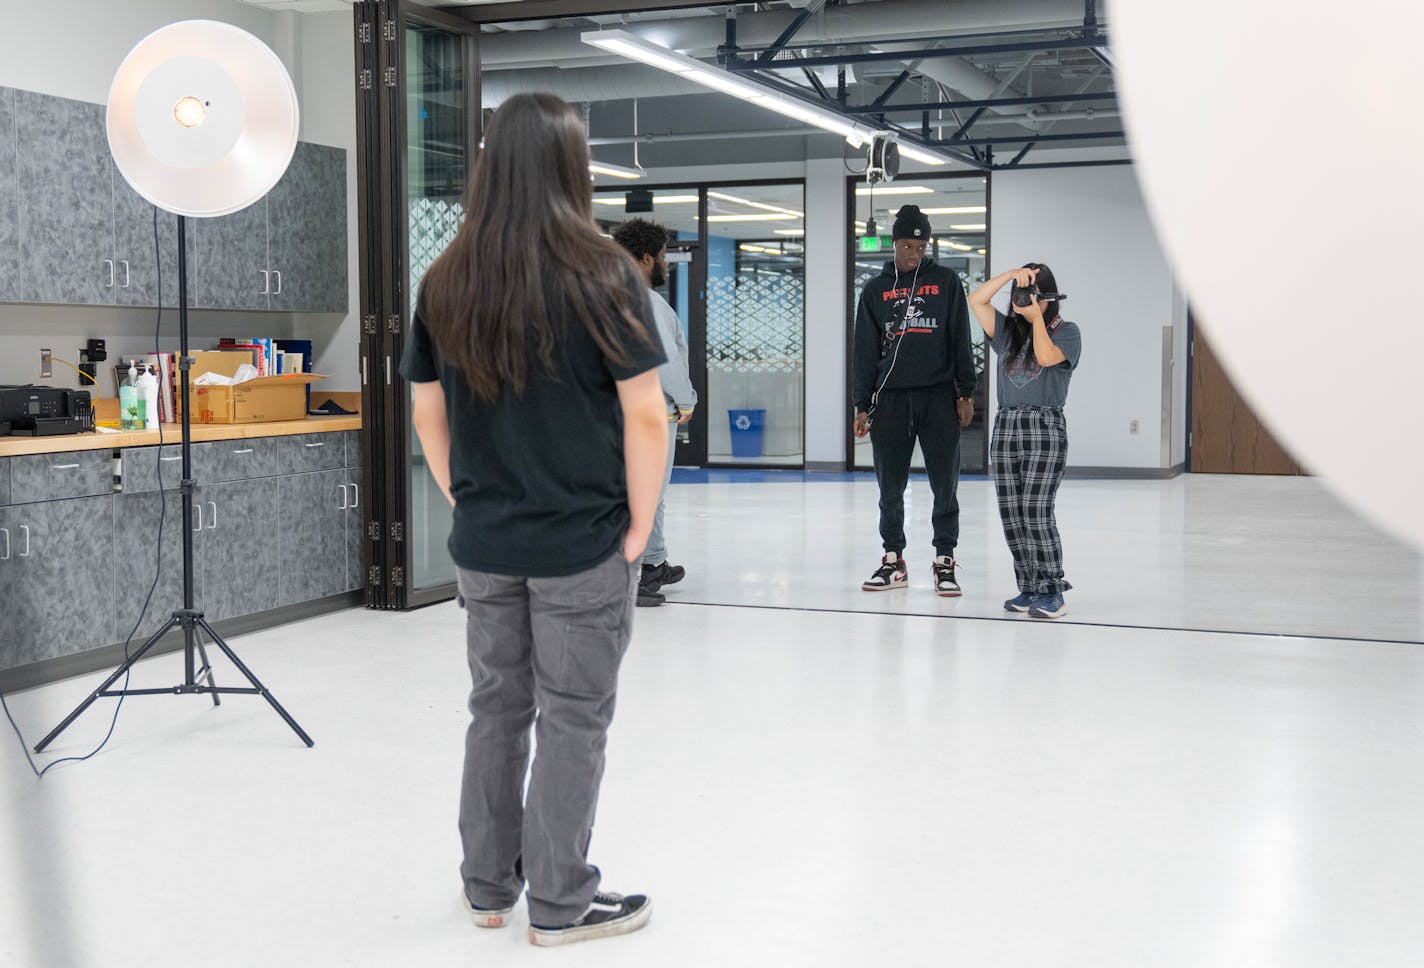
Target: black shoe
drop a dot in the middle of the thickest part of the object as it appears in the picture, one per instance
(608, 915)
(657, 577)
(946, 585)
(649, 597)
(890, 574)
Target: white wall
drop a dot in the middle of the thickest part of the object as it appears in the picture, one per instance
(71, 48)
(1091, 226)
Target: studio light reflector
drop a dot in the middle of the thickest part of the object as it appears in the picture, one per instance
(202, 118)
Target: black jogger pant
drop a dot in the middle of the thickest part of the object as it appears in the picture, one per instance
(1028, 452)
(901, 417)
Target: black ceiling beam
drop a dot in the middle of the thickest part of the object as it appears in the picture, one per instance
(922, 53)
(767, 55)
(817, 85)
(980, 103)
(884, 95)
(1107, 162)
(1020, 139)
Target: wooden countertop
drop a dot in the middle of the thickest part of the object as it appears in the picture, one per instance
(100, 440)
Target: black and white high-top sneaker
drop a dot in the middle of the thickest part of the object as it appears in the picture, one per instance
(610, 914)
(890, 574)
(946, 586)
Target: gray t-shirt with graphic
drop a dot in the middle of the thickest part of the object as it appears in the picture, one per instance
(1022, 382)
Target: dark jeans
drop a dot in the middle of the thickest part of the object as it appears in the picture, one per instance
(901, 417)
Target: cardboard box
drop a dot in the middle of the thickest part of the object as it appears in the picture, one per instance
(223, 362)
(261, 400)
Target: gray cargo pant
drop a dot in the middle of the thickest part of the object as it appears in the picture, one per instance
(551, 645)
(656, 553)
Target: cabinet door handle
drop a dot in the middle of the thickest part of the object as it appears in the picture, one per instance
(175, 457)
(214, 506)
(266, 281)
(125, 264)
(25, 528)
(355, 496)
(388, 371)
(278, 274)
(343, 505)
(6, 532)
(246, 450)
(320, 443)
(63, 467)
(199, 509)
(110, 264)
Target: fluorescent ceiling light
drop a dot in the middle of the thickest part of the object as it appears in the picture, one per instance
(657, 200)
(790, 231)
(723, 197)
(898, 190)
(957, 210)
(617, 171)
(983, 251)
(969, 228)
(633, 47)
(960, 246)
(757, 248)
(750, 218)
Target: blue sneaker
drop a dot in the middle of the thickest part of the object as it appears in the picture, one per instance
(1048, 606)
(1019, 603)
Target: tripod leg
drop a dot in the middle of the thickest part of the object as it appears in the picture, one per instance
(261, 689)
(208, 667)
(128, 663)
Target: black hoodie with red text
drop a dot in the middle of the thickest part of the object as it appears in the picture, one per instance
(918, 341)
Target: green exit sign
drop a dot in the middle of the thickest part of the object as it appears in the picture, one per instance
(872, 243)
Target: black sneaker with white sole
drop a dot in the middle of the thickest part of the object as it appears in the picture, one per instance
(486, 917)
(891, 574)
(609, 915)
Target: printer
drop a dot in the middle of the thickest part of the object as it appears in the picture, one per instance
(36, 411)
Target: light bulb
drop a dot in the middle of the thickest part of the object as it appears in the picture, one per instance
(190, 111)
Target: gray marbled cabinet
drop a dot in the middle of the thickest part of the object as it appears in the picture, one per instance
(73, 231)
(66, 201)
(277, 522)
(9, 201)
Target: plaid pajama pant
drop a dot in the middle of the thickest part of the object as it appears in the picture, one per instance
(1028, 452)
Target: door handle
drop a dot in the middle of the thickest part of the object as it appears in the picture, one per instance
(199, 509)
(355, 496)
(343, 505)
(319, 443)
(25, 528)
(110, 264)
(214, 506)
(125, 264)
(63, 467)
(278, 274)
(266, 281)
(6, 532)
(246, 450)
(175, 457)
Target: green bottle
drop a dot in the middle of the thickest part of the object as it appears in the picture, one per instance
(131, 403)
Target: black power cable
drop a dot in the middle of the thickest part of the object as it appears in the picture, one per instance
(158, 557)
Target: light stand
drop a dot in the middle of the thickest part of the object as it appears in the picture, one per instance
(240, 72)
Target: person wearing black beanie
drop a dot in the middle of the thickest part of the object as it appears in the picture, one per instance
(914, 380)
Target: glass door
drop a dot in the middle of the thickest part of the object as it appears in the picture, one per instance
(675, 208)
(754, 405)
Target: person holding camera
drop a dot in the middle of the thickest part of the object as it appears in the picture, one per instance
(914, 380)
(1038, 351)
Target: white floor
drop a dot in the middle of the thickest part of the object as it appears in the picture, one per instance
(792, 787)
(1210, 552)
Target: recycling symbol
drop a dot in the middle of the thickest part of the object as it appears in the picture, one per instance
(744, 422)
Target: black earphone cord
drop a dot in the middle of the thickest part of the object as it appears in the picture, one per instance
(904, 324)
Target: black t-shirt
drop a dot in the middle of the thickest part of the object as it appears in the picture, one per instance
(538, 480)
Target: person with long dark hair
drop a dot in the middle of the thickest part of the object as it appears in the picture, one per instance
(534, 360)
(1038, 351)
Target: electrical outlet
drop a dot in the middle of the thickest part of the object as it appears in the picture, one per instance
(1132, 426)
(46, 367)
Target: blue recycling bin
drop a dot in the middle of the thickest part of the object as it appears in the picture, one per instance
(748, 428)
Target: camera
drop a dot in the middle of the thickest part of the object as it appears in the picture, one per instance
(1023, 298)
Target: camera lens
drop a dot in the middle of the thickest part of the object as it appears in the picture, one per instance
(1022, 297)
